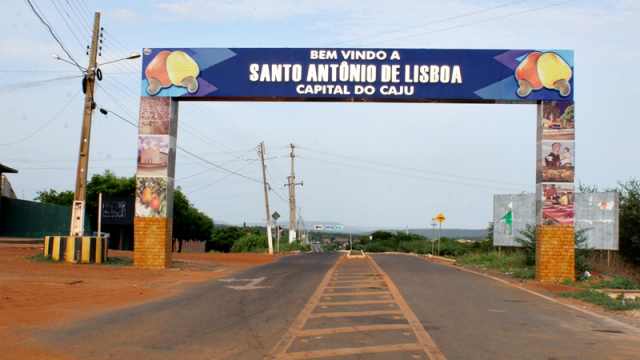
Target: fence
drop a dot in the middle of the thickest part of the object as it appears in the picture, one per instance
(21, 218)
(189, 246)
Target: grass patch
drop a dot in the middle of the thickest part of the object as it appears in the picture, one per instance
(41, 258)
(526, 273)
(617, 283)
(514, 264)
(602, 299)
(119, 261)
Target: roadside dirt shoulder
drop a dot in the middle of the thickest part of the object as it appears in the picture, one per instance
(40, 294)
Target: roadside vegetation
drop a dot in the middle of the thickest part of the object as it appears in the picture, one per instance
(40, 257)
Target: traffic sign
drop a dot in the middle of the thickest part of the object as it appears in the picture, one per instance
(339, 227)
(440, 218)
(318, 227)
(275, 216)
(328, 227)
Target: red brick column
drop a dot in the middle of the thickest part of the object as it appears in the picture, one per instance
(152, 237)
(555, 253)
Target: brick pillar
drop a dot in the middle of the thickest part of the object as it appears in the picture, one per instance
(153, 224)
(555, 253)
(555, 191)
(152, 242)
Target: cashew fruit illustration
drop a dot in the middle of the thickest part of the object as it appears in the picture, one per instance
(555, 73)
(183, 71)
(156, 73)
(527, 74)
(547, 70)
(172, 68)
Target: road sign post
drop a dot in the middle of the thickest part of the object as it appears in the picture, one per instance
(440, 219)
(434, 222)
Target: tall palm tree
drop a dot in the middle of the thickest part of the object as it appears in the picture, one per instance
(550, 108)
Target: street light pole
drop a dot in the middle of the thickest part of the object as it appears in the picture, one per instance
(79, 197)
(266, 201)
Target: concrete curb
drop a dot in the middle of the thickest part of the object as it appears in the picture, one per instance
(356, 254)
(440, 258)
(21, 241)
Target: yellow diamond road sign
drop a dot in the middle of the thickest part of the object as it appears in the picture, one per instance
(440, 218)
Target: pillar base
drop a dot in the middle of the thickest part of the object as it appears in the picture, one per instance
(77, 249)
(152, 242)
(555, 253)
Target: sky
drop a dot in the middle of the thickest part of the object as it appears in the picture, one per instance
(379, 165)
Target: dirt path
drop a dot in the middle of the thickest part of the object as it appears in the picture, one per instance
(40, 294)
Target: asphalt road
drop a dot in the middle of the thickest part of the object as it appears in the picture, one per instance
(315, 305)
(208, 321)
(475, 317)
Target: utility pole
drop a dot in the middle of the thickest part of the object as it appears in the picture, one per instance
(292, 198)
(79, 197)
(266, 199)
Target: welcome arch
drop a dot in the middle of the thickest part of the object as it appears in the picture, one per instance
(541, 77)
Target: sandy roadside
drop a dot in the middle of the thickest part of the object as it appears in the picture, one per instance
(37, 294)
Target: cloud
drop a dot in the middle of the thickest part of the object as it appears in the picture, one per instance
(123, 14)
(228, 11)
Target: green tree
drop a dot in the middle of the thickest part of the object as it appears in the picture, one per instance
(629, 196)
(629, 217)
(250, 243)
(567, 117)
(223, 238)
(188, 222)
(527, 241)
(64, 198)
(550, 108)
(107, 184)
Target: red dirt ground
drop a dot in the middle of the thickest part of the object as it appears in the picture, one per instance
(40, 293)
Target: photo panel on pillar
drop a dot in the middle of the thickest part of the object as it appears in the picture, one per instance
(558, 120)
(558, 204)
(151, 197)
(557, 162)
(153, 155)
(154, 116)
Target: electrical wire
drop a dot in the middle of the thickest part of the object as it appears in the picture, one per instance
(55, 37)
(471, 24)
(410, 176)
(27, 85)
(75, 23)
(429, 23)
(412, 169)
(45, 125)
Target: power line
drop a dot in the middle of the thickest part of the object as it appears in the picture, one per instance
(39, 83)
(409, 176)
(470, 24)
(429, 23)
(412, 169)
(75, 23)
(64, 48)
(45, 125)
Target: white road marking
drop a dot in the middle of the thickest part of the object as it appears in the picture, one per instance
(250, 286)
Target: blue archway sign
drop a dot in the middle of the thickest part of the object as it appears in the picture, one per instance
(413, 75)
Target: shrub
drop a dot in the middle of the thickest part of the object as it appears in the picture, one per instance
(415, 246)
(450, 247)
(294, 246)
(250, 243)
